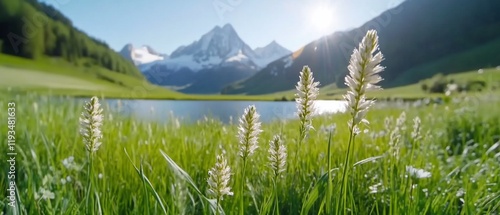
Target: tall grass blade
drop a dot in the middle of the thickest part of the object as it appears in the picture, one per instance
(367, 160)
(184, 175)
(315, 191)
(143, 177)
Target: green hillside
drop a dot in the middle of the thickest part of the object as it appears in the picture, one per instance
(419, 38)
(57, 76)
(490, 76)
(475, 58)
(34, 30)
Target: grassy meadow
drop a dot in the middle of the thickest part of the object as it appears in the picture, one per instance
(420, 157)
(452, 168)
(55, 76)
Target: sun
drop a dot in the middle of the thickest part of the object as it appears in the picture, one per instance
(321, 18)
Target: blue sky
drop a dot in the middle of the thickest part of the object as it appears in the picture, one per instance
(168, 24)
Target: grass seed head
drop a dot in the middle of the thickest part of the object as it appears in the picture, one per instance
(307, 92)
(364, 68)
(277, 155)
(90, 124)
(248, 131)
(416, 133)
(218, 179)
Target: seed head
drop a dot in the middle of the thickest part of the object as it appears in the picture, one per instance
(90, 124)
(415, 134)
(277, 155)
(307, 92)
(218, 179)
(363, 77)
(248, 131)
(396, 135)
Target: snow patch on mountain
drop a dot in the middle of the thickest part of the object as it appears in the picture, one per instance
(288, 61)
(141, 55)
(240, 57)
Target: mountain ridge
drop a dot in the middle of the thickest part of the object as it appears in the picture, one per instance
(407, 40)
(220, 53)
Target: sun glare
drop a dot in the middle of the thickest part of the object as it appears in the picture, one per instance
(321, 18)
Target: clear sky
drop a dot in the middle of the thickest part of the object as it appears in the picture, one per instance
(168, 24)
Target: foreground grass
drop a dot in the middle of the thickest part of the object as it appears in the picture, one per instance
(459, 148)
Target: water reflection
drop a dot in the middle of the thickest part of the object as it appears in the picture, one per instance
(190, 111)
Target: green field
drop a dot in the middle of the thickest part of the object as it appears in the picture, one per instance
(435, 158)
(458, 147)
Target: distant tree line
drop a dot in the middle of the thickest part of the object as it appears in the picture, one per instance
(439, 83)
(32, 29)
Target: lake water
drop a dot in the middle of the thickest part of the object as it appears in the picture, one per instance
(191, 111)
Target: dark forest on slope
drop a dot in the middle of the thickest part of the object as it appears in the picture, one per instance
(31, 29)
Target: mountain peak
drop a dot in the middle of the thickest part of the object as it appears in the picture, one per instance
(214, 46)
(142, 55)
(127, 47)
(275, 45)
(270, 52)
(228, 27)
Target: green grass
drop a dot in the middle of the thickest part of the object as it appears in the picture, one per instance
(457, 149)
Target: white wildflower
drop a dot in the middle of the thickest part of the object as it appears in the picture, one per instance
(307, 92)
(70, 164)
(376, 188)
(248, 132)
(44, 194)
(329, 128)
(363, 77)
(90, 124)
(417, 173)
(218, 179)
(277, 155)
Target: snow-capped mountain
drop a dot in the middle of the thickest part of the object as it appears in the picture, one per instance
(217, 59)
(216, 47)
(141, 55)
(267, 54)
